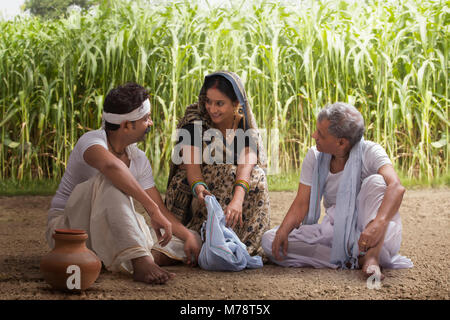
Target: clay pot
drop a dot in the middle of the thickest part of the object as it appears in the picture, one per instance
(70, 266)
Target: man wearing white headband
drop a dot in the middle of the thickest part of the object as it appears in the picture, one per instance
(106, 170)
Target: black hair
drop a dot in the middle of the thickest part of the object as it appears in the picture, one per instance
(222, 84)
(123, 99)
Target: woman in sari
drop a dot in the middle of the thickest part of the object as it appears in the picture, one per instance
(235, 176)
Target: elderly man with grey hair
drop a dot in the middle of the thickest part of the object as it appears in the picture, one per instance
(361, 194)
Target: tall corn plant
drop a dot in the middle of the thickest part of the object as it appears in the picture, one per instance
(389, 59)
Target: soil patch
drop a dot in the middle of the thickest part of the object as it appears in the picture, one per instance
(426, 239)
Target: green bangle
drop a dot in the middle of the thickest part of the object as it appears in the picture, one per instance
(243, 182)
(241, 185)
(195, 185)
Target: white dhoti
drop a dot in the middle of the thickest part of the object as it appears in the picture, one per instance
(310, 245)
(117, 233)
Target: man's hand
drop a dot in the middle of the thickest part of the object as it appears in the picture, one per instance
(159, 221)
(233, 213)
(372, 234)
(281, 240)
(376, 229)
(192, 250)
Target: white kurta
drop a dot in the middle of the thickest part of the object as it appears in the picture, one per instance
(310, 245)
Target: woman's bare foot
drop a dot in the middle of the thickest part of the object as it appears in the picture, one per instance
(146, 270)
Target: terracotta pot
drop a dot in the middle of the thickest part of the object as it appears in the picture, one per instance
(70, 266)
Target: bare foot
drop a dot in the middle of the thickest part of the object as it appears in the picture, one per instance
(370, 266)
(162, 260)
(146, 270)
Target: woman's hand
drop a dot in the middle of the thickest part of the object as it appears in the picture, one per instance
(202, 192)
(233, 213)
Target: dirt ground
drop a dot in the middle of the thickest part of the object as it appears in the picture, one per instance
(426, 239)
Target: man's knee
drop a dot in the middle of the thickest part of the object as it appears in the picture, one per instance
(105, 190)
(374, 181)
(372, 189)
(369, 199)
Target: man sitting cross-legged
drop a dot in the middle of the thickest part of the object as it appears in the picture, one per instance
(362, 195)
(105, 171)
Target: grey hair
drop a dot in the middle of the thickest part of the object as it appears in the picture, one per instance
(345, 121)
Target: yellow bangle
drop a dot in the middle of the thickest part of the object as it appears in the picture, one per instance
(193, 183)
(240, 185)
(244, 183)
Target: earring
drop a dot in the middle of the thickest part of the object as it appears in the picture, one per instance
(239, 113)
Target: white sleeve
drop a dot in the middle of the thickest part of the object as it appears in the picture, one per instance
(374, 158)
(306, 176)
(89, 139)
(145, 174)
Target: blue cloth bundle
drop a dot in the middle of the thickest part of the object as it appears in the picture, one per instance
(222, 250)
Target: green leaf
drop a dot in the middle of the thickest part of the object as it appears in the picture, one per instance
(11, 144)
(439, 144)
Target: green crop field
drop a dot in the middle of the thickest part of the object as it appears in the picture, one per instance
(388, 58)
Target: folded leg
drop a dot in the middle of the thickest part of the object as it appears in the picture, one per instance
(307, 247)
(368, 203)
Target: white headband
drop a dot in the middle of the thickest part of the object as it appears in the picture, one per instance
(134, 115)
